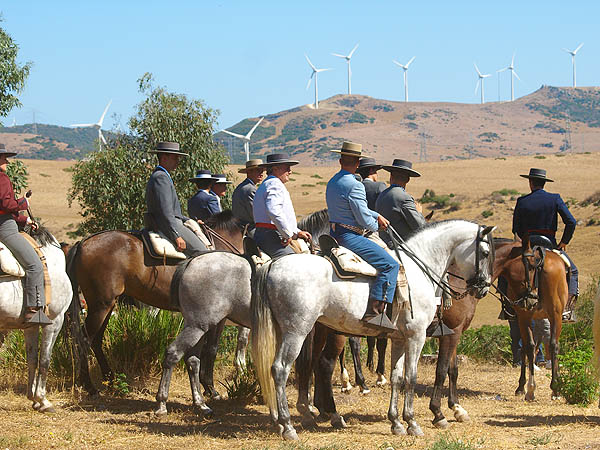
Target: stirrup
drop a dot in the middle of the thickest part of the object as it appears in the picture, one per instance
(438, 329)
(381, 320)
(39, 318)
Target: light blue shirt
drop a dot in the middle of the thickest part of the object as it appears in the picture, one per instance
(347, 202)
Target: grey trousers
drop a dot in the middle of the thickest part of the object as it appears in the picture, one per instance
(269, 242)
(28, 258)
(193, 243)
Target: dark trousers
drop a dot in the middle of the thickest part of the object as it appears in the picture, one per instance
(269, 242)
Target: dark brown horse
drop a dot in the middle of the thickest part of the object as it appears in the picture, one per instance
(113, 263)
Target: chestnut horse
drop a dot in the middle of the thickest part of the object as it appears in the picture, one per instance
(112, 263)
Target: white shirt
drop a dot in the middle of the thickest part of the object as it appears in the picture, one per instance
(273, 204)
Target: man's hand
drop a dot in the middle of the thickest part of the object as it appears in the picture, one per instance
(304, 235)
(180, 243)
(286, 242)
(382, 222)
(200, 221)
(562, 246)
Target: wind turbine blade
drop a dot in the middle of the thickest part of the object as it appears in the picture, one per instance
(397, 63)
(338, 55)
(501, 70)
(103, 114)
(568, 51)
(322, 70)
(233, 134)
(83, 125)
(486, 75)
(309, 80)
(354, 49)
(515, 74)
(311, 64)
(102, 137)
(477, 69)
(577, 49)
(254, 128)
(477, 85)
(408, 63)
(512, 61)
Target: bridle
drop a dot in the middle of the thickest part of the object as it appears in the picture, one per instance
(479, 281)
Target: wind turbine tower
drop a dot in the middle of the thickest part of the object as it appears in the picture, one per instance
(512, 75)
(405, 68)
(480, 80)
(573, 53)
(245, 138)
(314, 75)
(347, 58)
(97, 124)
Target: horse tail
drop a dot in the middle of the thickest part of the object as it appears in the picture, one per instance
(176, 280)
(263, 338)
(596, 330)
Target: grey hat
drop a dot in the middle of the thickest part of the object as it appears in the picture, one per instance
(537, 174)
(203, 175)
(221, 179)
(403, 165)
(168, 147)
(3, 151)
(367, 163)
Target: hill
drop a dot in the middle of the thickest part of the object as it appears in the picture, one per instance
(550, 120)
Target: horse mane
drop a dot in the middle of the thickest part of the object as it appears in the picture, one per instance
(43, 236)
(225, 221)
(316, 223)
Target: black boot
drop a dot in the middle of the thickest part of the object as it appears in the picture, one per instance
(375, 316)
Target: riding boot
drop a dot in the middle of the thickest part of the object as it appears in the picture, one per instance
(375, 316)
(568, 315)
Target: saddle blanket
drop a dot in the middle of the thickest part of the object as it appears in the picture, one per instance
(563, 257)
(9, 264)
(163, 247)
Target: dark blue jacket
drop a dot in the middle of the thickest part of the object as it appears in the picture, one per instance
(203, 205)
(536, 213)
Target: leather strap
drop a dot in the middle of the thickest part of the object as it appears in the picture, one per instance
(38, 250)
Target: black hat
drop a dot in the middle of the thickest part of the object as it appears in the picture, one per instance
(538, 174)
(405, 166)
(168, 147)
(3, 151)
(278, 158)
(367, 163)
(203, 175)
(221, 178)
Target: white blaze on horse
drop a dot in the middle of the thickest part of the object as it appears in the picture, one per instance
(292, 293)
(11, 308)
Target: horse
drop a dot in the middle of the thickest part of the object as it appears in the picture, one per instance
(109, 264)
(291, 294)
(39, 351)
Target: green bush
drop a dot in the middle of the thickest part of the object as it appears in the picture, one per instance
(448, 442)
(243, 386)
(487, 213)
(439, 201)
(488, 343)
(577, 382)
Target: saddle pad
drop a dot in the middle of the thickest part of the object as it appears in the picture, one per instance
(350, 262)
(9, 264)
(563, 257)
(162, 247)
(299, 246)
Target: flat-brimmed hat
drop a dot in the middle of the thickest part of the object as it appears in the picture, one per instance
(403, 165)
(203, 175)
(537, 174)
(350, 149)
(251, 164)
(221, 179)
(168, 147)
(3, 151)
(368, 163)
(278, 158)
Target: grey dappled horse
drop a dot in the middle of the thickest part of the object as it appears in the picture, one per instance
(292, 293)
(11, 308)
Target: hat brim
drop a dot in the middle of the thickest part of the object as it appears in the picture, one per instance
(224, 182)
(289, 162)
(202, 179)
(173, 152)
(370, 166)
(537, 178)
(246, 169)
(8, 154)
(411, 172)
(342, 152)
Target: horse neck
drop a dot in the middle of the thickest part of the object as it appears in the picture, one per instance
(234, 238)
(505, 255)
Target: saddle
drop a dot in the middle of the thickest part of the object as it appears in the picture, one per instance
(159, 247)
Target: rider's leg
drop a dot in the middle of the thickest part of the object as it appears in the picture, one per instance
(573, 290)
(193, 244)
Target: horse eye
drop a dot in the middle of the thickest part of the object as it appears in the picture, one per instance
(485, 252)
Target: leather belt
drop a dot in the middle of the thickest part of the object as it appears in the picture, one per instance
(544, 232)
(352, 228)
(268, 226)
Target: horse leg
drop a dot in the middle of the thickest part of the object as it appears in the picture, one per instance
(31, 348)
(193, 365)
(344, 377)
(304, 372)
(411, 360)
(555, 329)
(397, 381)
(49, 335)
(208, 355)
(460, 414)
(381, 349)
(359, 378)
(441, 369)
(370, 352)
(187, 339)
(323, 376)
(240, 350)
(529, 350)
(99, 312)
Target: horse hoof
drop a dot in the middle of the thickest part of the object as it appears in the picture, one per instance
(36, 406)
(442, 424)
(160, 411)
(398, 430)
(415, 430)
(460, 414)
(216, 396)
(338, 422)
(346, 389)
(381, 381)
(48, 409)
(290, 435)
(205, 411)
(519, 392)
(529, 397)
(365, 391)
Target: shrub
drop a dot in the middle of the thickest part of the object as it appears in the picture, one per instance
(316, 175)
(439, 201)
(487, 213)
(593, 199)
(539, 157)
(243, 386)
(506, 192)
(447, 442)
(577, 382)
(488, 343)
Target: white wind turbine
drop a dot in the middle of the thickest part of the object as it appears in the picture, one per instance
(347, 58)
(314, 75)
(573, 53)
(405, 68)
(97, 124)
(512, 75)
(245, 138)
(480, 80)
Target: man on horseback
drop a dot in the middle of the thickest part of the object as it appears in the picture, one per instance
(242, 199)
(164, 210)
(273, 210)
(350, 219)
(367, 169)
(536, 215)
(204, 203)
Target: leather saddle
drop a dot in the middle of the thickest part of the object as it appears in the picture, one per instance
(158, 247)
(346, 264)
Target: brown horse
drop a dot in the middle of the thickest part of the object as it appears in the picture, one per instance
(113, 263)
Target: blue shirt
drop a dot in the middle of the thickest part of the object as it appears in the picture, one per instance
(347, 202)
(203, 205)
(536, 213)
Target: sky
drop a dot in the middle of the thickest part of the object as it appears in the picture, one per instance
(246, 59)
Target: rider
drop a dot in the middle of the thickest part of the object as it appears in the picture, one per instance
(204, 203)
(273, 210)
(164, 210)
(10, 220)
(536, 215)
(367, 169)
(350, 219)
(219, 188)
(243, 195)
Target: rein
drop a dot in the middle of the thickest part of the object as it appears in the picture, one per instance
(213, 234)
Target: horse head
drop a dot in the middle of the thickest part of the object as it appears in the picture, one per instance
(476, 258)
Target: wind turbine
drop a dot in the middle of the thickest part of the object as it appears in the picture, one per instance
(512, 74)
(347, 58)
(480, 80)
(97, 124)
(245, 138)
(405, 68)
(314, 75)
(573, 53)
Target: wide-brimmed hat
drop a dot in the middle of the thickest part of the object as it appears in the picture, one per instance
(350, 149)
(3, 151)
(278, 158)
(168, 147)
(251, 164)
(537, 174)
(203, 175)
(368, 163)
(221, 179)
(405, 166)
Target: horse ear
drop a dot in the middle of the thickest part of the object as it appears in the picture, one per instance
(488, 230)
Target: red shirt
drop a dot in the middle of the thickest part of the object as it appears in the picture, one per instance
(8, 203)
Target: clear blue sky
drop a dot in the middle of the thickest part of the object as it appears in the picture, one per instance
(247, 58)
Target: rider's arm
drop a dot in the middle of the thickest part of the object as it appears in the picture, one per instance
(408, 209)
(568, 219)
(516, 227)
(274, 202)
(162, 192)
(7, 197)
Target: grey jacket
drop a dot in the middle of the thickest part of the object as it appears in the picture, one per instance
(397, 206)
(243, 200)
(163, 205)
(373, 189)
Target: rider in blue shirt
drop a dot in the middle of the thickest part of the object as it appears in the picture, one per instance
(350, 219)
